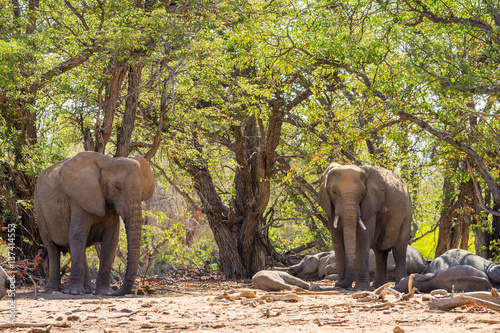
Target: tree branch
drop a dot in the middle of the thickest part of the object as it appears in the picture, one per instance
(495, 191)
(66, 66)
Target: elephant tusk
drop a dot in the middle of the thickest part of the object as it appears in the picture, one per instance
(362, 225)
(335, 221)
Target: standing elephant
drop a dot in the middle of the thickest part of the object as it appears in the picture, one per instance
(367, 207)
(78, 202)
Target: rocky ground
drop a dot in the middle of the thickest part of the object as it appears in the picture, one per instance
(211, 305)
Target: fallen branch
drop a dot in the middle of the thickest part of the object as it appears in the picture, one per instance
(448, 303)
(34, 285)
(389, 290)
(481, 302)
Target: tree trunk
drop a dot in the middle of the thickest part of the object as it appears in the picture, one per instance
(127, 127)
(447, 215)
(242, 251)
(113, 87)
(217, 214)
(493, 246)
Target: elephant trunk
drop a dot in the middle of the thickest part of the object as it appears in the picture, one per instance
(350, 220)
(133, 224)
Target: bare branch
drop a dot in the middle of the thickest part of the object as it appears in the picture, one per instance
(478, 194)
(77, 14)
(66, 66)
(495, 191)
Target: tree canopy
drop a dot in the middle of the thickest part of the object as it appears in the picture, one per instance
(242, 104)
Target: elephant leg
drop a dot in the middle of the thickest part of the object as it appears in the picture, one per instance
(362, 262)
(380, 268)
(87, 283)
(77, 241)
(54, 255)
(338, 248)
(108, 250)
(399, 252)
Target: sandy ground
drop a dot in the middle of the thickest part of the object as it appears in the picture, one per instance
(199, 307)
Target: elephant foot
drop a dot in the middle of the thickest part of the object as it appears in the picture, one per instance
(104, 290)
(378, 283)
(362, 286)
(52, 286)
(88, 287)
(74, 290)
(343, 284)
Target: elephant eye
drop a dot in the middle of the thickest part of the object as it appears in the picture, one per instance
(117, 187)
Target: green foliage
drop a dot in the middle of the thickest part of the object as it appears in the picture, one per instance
(345, 71)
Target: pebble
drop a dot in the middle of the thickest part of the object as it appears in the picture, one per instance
(126, 310)
(125, 322)
(59, 318)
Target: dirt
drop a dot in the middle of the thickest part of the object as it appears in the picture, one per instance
(200, 306)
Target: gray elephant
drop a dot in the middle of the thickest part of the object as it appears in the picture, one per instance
(323, 265)
(462, 257)
(309, 267)
(275, 281)
(367, 207)
(457, 278)
(78, 203)
(415, 263)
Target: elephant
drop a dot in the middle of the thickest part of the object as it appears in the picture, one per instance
(460, 278)
(323, 265)
(310, 266)
(268, 280)
(78, 202)
(5, 282)
(367, 207)
(456, 257)
(415, 263)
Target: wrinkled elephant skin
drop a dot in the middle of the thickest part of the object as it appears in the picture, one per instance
(415, 263)
(78, 202)
(309, 267)
(323, 265)
(461, 278)
(367, 207)
(462, 257)
(268, 280)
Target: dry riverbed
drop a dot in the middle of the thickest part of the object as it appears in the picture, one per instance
(222, 306)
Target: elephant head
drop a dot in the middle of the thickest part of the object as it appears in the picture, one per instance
(351, 196)
(100, 184)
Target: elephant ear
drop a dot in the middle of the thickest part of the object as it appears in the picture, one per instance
(323, 197)
(80, 179)
(149, 181)
(375, 192)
